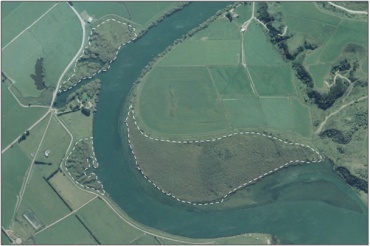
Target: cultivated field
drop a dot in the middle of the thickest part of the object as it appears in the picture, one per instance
(67, 231)
(231, 81)
(204, 52)
(56, 37)
(272, 81)
(169, 97)
(208, 171)
(178, 96)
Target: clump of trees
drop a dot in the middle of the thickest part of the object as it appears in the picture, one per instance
(326, 100)
(24, 136)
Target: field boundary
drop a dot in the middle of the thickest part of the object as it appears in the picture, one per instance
(11, 41)
(131, 110)
(83, 52)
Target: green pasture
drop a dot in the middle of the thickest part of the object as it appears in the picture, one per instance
(244, 11)
(23, 52)
(106, 226)
(347, 32)
(231, 81)
(56, 37)
(5, 239)
(304, 17)
(8, 7)
(16, 16)
(313, 57)
(15, 119)
(272, 81)
(79, 124)
(56, 141)
(278, 113)
(245, 112)
(258, 49)
(204, 52)
(365, 66)
(14, 165)
(141, 13)
(70, 193)
(59, 33)
(331, 31)
(99, 9)
(146, 12)
(68, 231)
(31, 143)
(302, 119)
(318, 73)
(169, 96)
(221, 29)
(42, 200)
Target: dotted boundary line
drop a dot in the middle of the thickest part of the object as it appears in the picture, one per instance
(95, 164)
(212, 140)
(83, 52)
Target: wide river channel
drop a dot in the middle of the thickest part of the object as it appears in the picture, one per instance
(303, 205)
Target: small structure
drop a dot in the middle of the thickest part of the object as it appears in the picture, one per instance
(32, 219)
(47, 152)
(86, 17)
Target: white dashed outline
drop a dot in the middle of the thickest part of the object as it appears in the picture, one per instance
(83, 52)
(209, 140)
(95, 164)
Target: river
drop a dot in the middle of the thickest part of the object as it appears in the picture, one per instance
(306, 204)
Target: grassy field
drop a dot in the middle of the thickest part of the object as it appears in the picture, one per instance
(203, 171)
(42, 200)
(221, 29)
(56, 37)
(305, 18)
(272, 81)
(16, 16)
(318, 73)
(145, 12)
(244, 11)
(106, 225)
(14, 165)
(231, 81)
(245, 112)
(79, 124)
(72, 195)
(278, 113)
(204, 52)
(30, 144)
(329, 30)
(258, 50)
(56, 141)
(68, 231)
(141, 13)
(302, 119)
(169, 96)
(14, 118)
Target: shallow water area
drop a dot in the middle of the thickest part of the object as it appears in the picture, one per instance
(305, 204)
